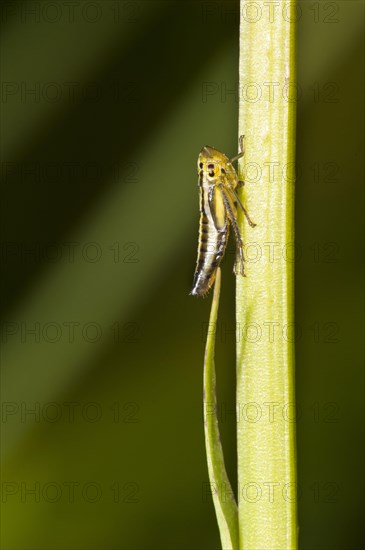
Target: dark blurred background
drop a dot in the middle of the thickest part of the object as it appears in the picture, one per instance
(105, 106)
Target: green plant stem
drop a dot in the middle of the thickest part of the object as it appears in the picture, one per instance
(223, 498)
(264, 299)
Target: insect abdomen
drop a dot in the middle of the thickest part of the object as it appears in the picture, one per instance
(212, 244)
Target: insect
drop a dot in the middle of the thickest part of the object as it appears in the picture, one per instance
(218, 184)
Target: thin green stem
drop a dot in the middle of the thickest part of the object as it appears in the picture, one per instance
(223, 498)
(264, 299)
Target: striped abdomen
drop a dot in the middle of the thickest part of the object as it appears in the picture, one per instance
(212, 244)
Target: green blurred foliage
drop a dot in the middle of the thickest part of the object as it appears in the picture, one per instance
(99, 181)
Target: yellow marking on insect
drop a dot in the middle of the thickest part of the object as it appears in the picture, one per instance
(218, 181)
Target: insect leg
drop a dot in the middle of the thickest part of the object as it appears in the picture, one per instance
(252, 224)
(239, 266)
(241, 183)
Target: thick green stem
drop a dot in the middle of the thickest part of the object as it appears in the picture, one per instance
(265, 353)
